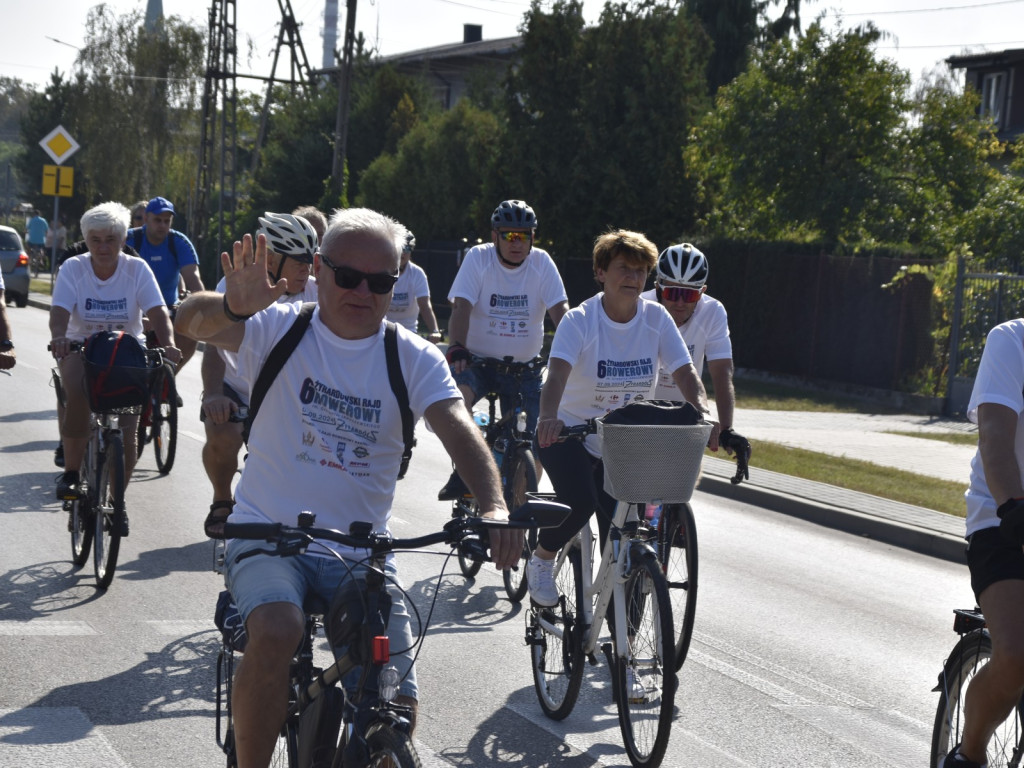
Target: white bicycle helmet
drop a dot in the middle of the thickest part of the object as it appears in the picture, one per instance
(684, 264)
(514, 214)
(289, 235)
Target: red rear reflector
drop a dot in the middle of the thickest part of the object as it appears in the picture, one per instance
(381, 649)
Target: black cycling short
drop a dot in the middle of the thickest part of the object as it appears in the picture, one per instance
(992, 558)
(230, 393)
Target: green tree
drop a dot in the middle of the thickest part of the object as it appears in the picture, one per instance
(433, 183)
(597, 120)
(806, 143)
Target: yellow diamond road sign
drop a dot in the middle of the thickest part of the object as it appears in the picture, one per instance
(59, 145)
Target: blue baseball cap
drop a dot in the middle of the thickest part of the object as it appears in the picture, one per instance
(159, 205)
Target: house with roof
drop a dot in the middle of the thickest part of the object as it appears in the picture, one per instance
(999, 78)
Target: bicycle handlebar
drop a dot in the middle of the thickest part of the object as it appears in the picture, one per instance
(508, 365)
(294, 539)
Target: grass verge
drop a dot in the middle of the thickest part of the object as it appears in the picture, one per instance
(38, 285)
(954, 438)
(865, 477)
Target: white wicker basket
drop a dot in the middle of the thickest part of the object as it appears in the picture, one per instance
(652, 464)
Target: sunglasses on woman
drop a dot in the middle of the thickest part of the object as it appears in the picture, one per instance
(677, 293)
(349, 279)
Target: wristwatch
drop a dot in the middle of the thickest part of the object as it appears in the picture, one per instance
(6, 344)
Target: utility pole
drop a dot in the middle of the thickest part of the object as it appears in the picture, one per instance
(344, 86)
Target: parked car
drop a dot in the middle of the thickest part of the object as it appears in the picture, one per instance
(14, 262)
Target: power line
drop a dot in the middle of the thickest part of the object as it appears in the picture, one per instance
(929, 10)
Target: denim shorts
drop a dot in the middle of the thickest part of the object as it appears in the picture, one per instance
(483, 379)
(262, 579)
(992, 558)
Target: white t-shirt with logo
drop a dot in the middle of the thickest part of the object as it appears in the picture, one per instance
(411, 286)
(706, 334)
(114, 304)
(1000, 380)
(231, 377)
(613, 363)
(328, 437)
(508, 304)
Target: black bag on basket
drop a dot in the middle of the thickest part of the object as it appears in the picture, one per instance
(229, 622)
(667, 413)
(116, 370)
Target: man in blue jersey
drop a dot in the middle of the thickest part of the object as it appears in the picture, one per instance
(169, 254)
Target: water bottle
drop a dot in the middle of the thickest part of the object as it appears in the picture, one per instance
(653, 514)
(480, 419)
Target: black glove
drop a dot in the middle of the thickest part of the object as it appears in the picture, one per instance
(458, 352)
(739, 445)
(1011, 525)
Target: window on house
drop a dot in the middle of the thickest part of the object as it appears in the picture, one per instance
(993, 96)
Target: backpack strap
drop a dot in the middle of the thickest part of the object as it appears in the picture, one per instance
(275, 362)
(398, 387)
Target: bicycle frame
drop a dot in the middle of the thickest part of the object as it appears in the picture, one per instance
(615, 563)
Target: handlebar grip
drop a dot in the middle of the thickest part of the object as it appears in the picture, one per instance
(256, 531)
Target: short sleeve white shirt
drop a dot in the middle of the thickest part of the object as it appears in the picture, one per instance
(508, 304)
(613, 363)
(411, 286)
(231, 377)
(1000, 380)
(328, 437)
(706, 335)
(114, 304)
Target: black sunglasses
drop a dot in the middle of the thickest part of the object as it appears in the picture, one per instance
(349, 279)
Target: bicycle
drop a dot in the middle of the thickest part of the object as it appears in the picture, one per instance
(98, 519)
(158, 422)
(971, 652)
(325, 724)
(512, 448)
(39, 259)
(630, 582)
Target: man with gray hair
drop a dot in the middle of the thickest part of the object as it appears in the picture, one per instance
(305, 453)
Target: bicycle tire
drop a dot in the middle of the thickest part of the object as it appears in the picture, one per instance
(676, 548)
(390, 748)
(108, 510)
(165, 421)
(646, 721)
(971, 653)
(80, 520)
(143, 431)
(468, 564)
(286, 749)
(519, 478)
(557, 659)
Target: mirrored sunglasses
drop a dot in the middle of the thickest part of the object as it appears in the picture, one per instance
(679, 293)
(515, 237)
(349, 279)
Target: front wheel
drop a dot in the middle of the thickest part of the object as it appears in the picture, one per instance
(676, 547)
(520, 479)
(970, 654)
(644, 674)
(109, 510)
(555, 637)
(165, 420)
(80, 521)
(391, 749)
(468, 563)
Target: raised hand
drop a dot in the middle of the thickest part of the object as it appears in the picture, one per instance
(247, 285)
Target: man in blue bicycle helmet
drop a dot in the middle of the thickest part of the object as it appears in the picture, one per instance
(499, 299)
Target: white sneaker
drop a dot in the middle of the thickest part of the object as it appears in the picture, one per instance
(634, 688)
(540, 578)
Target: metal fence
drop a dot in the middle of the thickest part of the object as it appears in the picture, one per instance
(981, 301)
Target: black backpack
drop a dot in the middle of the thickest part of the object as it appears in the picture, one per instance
(283, 350)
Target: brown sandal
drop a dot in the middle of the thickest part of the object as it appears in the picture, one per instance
(213, 525)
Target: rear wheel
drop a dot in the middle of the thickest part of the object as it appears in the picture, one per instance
(644, 674)
(109, 510)
(970, 654)
(520, 472)
(80, 521)
(286, 748)
(391, 749)
(165, 420)
(676, 547)
(555, 637)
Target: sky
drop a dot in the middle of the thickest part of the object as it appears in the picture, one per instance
(45, 34)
